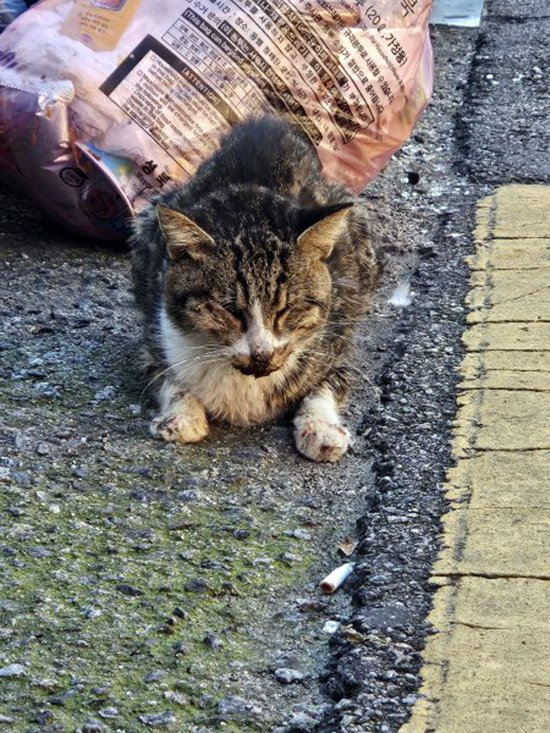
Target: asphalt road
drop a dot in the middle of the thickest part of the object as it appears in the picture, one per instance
(146, 586)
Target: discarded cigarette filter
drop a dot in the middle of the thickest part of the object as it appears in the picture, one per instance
(335, 579)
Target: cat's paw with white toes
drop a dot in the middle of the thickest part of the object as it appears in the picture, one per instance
(179, 428)
(321, 441)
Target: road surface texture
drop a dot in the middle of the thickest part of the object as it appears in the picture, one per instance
(146, 586)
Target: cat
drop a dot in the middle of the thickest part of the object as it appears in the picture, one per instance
(251, 278)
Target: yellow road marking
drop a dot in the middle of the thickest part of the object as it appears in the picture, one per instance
(487, 666)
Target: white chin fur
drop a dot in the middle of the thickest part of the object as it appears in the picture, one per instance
(205, 370)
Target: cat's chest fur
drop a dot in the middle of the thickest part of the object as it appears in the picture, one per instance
(225, 392)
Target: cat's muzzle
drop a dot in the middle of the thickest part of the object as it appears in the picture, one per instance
(260, 365)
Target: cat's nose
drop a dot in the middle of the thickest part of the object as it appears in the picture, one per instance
(260, 362)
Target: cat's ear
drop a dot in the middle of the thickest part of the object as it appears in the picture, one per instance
(320, 228)
(182, 235)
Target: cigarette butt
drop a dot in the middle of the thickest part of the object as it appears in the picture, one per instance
(335, 579)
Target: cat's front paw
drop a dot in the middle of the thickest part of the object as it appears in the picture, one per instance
(180, 428)
(321, 441)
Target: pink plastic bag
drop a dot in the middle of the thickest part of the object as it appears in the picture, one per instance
(127, 97)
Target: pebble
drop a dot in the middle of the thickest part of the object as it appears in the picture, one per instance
(301, 723)
(232, 706)
(299, 534)
(331, 627)
(62, 699)
(105, 393)
(12, 670)
(189, 495)
(129, 590)
(180, 647)
(176, 697)
(212, 641)
(154, 676)
(6, 719)
(290, 558)
(99, 691)
(43, 716)
(197, 585)
(43, 449)
(286, 676)
(241, 534)
(158, 720)
(108, 713)
(48, 683)
(92, 726)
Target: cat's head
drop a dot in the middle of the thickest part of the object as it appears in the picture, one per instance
(249, 275)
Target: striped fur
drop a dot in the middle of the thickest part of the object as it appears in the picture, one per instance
(251, 278)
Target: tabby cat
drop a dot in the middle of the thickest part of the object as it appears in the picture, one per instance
(251, 278)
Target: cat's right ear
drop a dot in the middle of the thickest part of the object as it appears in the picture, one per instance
(182, 235)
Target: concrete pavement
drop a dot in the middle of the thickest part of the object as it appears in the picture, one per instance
(487, 666)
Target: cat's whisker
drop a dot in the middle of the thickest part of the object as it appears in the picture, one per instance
(185, 365)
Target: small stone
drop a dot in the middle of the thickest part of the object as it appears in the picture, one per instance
(99, 691)
(301, 723)
(212, 641)
(42, 449)
(92, 612)
(154, 676)
(189, 495)
(92, 726)
(176, 697)
(80, 472)
(232, 706)
(129, 590)
(286, 676)
(108, 713)
(158, 720)
(43, 716)
(197, 585)
(21, 478)
(299, 534)
(331, 627)
(12, 670)
(39, 552)
(48, 683)
(6, 604)
(180, 647)
(180, 613)
(6, 719)
(62, 699)
(105, 393)
(241, 534)
(290, 558)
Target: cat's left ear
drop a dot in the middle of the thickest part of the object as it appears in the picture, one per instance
(182, 235)
(321, 227)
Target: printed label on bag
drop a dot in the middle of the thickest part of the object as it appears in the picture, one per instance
(99, 24)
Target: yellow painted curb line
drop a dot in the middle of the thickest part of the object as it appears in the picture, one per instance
(487, 666)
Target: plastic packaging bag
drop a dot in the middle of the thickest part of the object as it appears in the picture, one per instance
(127, 97)
(9, 10)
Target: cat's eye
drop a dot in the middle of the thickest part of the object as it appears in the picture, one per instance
(238, 314)
(280, 317)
